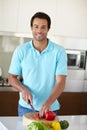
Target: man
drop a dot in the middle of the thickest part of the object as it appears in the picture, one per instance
(43, 65)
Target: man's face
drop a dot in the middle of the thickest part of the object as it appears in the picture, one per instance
(39, 29)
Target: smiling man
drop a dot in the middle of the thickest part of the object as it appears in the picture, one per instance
(43, 65)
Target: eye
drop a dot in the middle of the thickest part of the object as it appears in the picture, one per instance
(35, 26)
(43, 27)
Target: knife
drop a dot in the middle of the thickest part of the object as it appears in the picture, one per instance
(31, 106)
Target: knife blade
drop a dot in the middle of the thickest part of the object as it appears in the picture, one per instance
(31, 106)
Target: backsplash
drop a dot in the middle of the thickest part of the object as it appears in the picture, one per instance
(5, 59)
(7, 46)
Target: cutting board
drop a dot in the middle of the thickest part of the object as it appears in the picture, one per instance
(28, 118)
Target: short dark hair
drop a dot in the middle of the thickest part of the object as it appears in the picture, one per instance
(41, 15)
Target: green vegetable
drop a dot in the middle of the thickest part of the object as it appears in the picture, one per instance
(64, 124)
(35, 126)
(38, 126)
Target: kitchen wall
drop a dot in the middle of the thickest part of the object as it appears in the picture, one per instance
(5, 58)
(78, 43)
(7, 46)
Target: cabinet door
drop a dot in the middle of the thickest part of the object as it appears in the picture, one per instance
(71, 18)
(84, 104)
(9, 103)
(8, 15)
(70, 103)
(28, 8)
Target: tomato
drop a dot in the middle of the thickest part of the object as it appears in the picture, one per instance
(49, 115)
(36, 116)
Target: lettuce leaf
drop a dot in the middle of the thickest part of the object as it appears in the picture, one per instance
(38, 126)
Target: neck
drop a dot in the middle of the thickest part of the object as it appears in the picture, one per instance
(40, 45)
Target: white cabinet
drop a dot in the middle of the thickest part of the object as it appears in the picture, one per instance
(29, 7)
(85, 86)
(15, 15)
(8, 15)
(71, 18)
(75, 81)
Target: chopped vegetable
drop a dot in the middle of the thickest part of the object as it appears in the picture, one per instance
(36, 116)
(49, 115)
(38, 126)
(64, 124)
(56, 125)
(35, 126)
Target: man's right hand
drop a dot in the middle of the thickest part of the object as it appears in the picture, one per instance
(13, 81)
(27, 96)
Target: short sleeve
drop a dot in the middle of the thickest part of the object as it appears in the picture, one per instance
(15, 66)
(61, 63)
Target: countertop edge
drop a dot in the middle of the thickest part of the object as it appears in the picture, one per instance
(8, 89)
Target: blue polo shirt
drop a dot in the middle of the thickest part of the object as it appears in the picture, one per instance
(39, 71)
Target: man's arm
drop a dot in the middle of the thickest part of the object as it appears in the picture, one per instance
(58, 89)
(14, 82)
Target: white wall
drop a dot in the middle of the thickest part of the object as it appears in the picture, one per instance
(71, 42)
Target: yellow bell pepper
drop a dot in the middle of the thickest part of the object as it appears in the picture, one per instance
(56, 125)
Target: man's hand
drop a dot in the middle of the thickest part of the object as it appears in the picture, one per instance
(13, 81)
(27, 96)
(45, 107)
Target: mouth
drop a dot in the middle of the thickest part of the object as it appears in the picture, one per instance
(39, 34)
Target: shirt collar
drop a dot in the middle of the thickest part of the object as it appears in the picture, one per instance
(48, 48)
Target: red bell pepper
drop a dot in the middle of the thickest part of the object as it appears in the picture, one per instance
(49, 115)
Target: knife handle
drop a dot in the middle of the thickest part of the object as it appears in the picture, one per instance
(31, 105)
(29, 102)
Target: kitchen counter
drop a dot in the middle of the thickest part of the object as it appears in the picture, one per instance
(9, 89)
(75, 122)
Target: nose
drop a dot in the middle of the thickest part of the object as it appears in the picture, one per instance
(39, 30)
